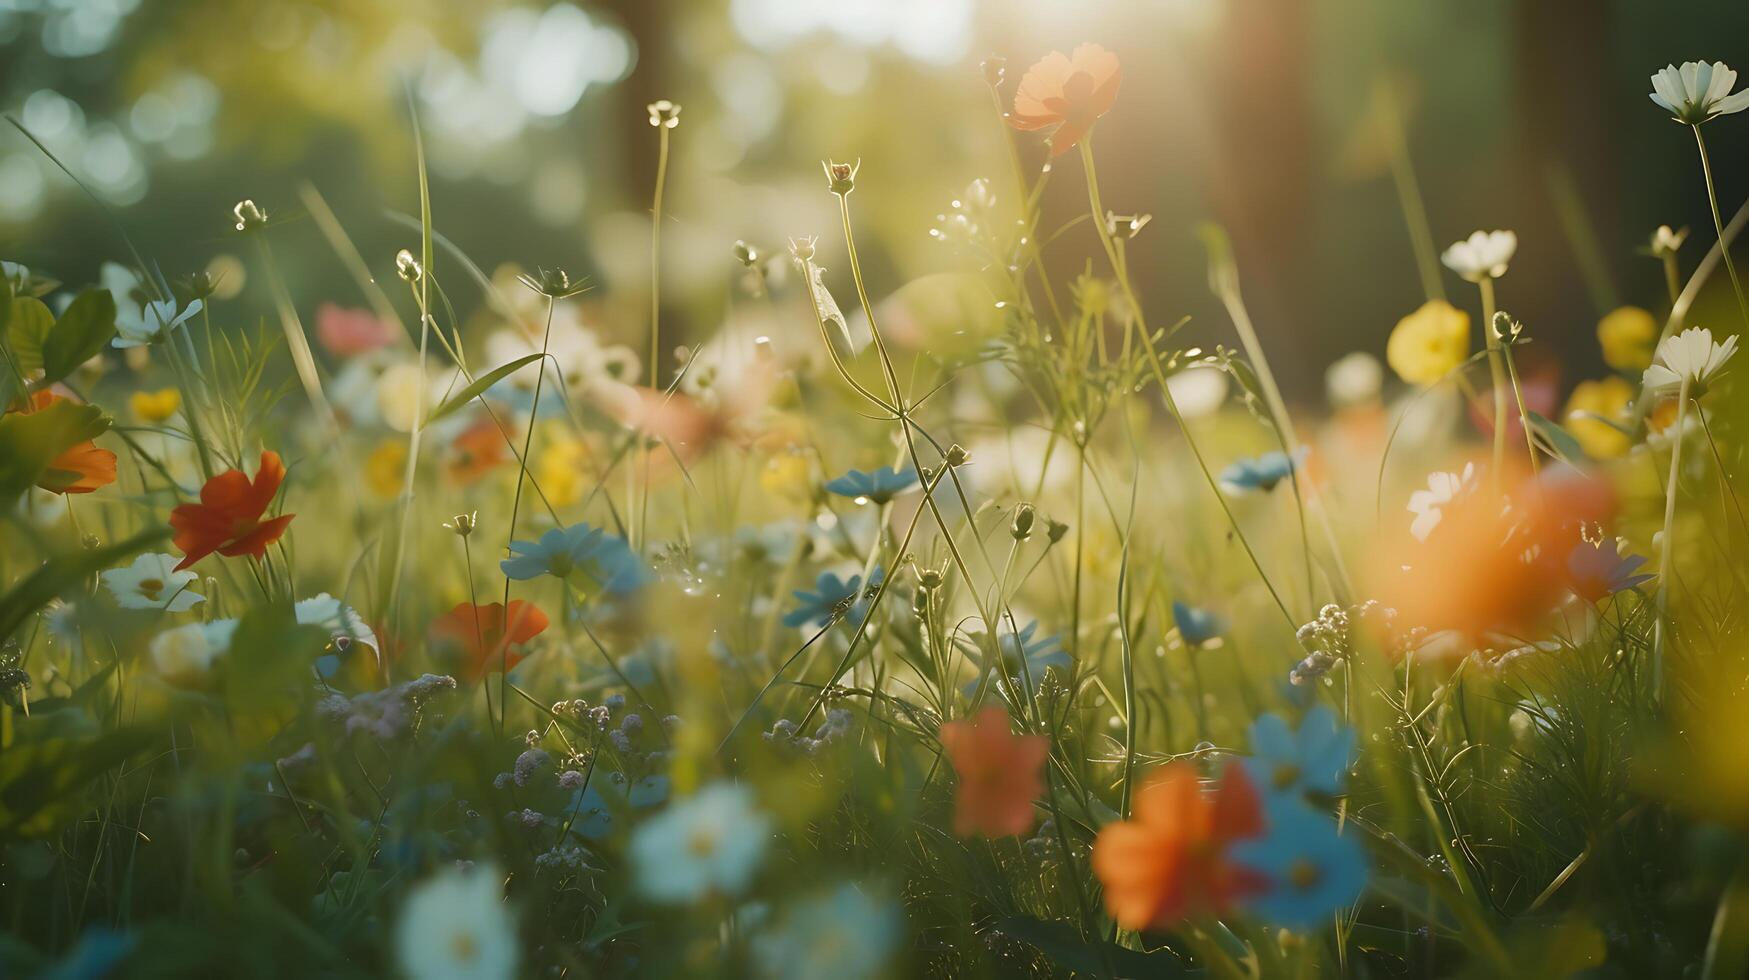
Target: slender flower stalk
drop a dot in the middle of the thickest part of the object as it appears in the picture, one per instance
(1667, 548)
(1498, 375)
(1712, 199)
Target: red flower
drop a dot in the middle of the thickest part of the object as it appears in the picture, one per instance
(228, 518)
(486, 635)
(999, 774)
(1070, 93)
(475, 452)
(1169, 860)
(82, 467)
(347, 332)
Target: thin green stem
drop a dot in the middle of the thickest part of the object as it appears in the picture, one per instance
(1667, 550)
(1497, 371)
(1712, 199)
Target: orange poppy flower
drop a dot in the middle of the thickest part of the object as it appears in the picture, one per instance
(82, 467)
(475, 452)
(228, 518)
(999, 774)
(1494, 563)
(1070, 93)
(486, 636)
(1169, 860)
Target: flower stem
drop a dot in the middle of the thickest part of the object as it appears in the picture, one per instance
(1497, 369)
(1666, 562)
(1712, 199)
(1523, 414)
(516, 499)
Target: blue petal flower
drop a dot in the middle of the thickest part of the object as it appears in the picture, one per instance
(879, 486)
(1600, 571)
(604, 560)
(1197, 626)
(833, 597)
(1261, 473)
(1312, 870)
(1288, 763)
(1038, 655)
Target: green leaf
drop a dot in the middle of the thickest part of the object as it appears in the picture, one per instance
(42, 782)
(30, 442)
(1063, 944)
(479, 386)
(81, 332)
(1558, 440)
(65, 572)
(27, 328)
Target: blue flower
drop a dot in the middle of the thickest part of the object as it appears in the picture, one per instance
(879, 486)
(1261, 473)
(1038, 655)
(1197, 626)
(843, 933)
(1599, 570)
(562, 552)
(96, 955)
(1288, 763)
(833, 597)
(1312, 870)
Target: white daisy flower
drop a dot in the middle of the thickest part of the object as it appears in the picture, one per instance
(334, 616)
(1697, 91)
(455, 926)
(1442, 488)
(157, 318)
(1484, 255)
(1354, 379)
(152, 582)
(710, 842)
(184, 655)
(1690, 355)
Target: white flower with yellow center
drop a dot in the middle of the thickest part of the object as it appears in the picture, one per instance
(184, 655)
(708, 843)
(152, 582)
(455, 926)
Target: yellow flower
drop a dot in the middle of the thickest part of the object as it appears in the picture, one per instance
(785, 474)
(1627, 335)
(1429, 343)
(386, 467)
(155, 406)
(559, 469)
(1610, 398)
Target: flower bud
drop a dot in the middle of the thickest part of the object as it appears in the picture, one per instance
(957, 455)
(929, 578)
(1023, 518)
(1054, 530)
(746, 254)
(462, 524)
(408, 267)
(249, 217)
(802, 248)
(555, 283)
(664, 114)
(841, 177)
(1506, 329)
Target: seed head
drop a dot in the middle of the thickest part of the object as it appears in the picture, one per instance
(249, 217)
(462, 524)
(841, 177)
(664, 114)
(408, 267)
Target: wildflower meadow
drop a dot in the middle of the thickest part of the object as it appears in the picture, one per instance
(444, 609)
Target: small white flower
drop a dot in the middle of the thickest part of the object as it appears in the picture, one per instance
(1697, 91)
(152, 582)
(156, 320)
(1442, 489)
(1484, 255)
(1690, 354)
(455, 926)
(1354, 379)
(709, 842)
(1666, 241)
(185, 654)
(334, 616)
(1198, 391)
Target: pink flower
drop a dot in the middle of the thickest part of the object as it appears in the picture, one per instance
(345, 332)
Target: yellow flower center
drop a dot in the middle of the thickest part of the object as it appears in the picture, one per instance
(150, 587)
(464, 947)
(701, 843)
(1303, 874)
